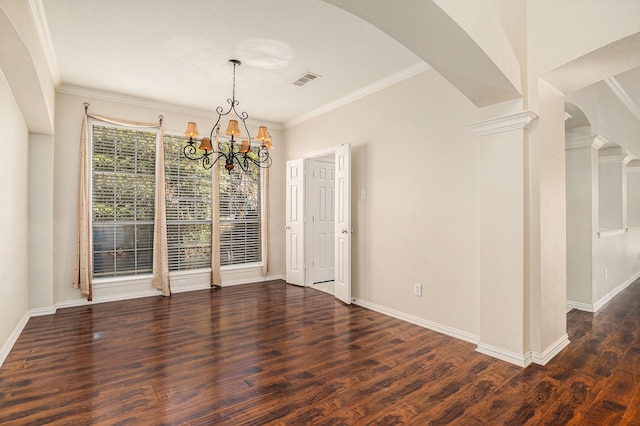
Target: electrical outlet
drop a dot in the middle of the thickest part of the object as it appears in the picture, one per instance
(417, 290)
(182, 283)
(605, 273)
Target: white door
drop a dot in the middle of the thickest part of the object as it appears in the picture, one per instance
(343, 223)
(322, 176)
(295, 222)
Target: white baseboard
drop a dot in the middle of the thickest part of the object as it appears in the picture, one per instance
(586, 307)
(13, 337)
(604, 300)
(613, 293)
(521, 360)
(449, 331)
(38, 312)
(553, 350)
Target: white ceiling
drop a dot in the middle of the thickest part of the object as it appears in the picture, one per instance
(177, 52)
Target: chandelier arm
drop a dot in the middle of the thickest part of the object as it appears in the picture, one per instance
(244, 117)
(207, 163)
(190, 151)
(264, 160)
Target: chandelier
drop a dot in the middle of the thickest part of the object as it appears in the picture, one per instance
(232, 151)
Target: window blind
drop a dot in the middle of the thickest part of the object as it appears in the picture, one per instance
(123, 184)
(240, 237)
(188, 190)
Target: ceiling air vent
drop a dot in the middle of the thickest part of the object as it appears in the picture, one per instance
(306, 78)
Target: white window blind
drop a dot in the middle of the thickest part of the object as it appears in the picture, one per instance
(123, 184)
(240, 241)
(188, 188)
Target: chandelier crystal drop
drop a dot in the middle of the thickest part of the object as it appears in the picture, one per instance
(227, 146)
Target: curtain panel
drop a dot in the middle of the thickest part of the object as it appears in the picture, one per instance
(82, 278)
(216, 277)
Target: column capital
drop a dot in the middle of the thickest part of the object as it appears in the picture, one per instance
(596, 141)
(520, 120)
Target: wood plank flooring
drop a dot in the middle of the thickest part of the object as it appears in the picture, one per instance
(271, 353)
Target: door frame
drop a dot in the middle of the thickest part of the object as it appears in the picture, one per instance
(345, 293)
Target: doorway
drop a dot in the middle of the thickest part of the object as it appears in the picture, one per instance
(321, 223)
(318, 221)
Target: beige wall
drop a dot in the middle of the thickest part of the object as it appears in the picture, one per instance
(420, 223)
(69, 113)
(14, 154)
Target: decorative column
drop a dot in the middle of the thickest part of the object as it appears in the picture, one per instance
(504, 192)
(581, 154)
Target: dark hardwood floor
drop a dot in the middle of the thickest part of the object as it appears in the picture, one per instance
(278, 354)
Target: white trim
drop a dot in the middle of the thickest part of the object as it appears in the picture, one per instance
(633, 169)
(613, 159)
(585, 307)
(518, 121)
(240, 281)
(604, 300)
(553, 350)
(397, 77)
(257, 266)
(39, 312)
(521, 360)
(13, 337)
(188, 288)
(45, 40)
(449, 331)
(124, 281)
(592, 141)
(624, 97)
(611, 232)
(79, 91)
(322, 152)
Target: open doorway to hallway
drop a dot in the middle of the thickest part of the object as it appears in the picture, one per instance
(321, 223)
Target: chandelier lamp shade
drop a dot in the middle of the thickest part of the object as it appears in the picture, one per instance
(234, 148)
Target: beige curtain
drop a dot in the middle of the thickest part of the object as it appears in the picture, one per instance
(216, 278)
(264, 220)
(83, 253)
(161, 279)
(84, 244)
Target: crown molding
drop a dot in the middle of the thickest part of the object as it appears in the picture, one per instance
(367, 90)
(506, 123)
(624, 97)
(151, 104)
(45, 40)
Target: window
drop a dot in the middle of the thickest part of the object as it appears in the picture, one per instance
(188, 187)
(123, 195)
(123, 185)
(240, 225)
